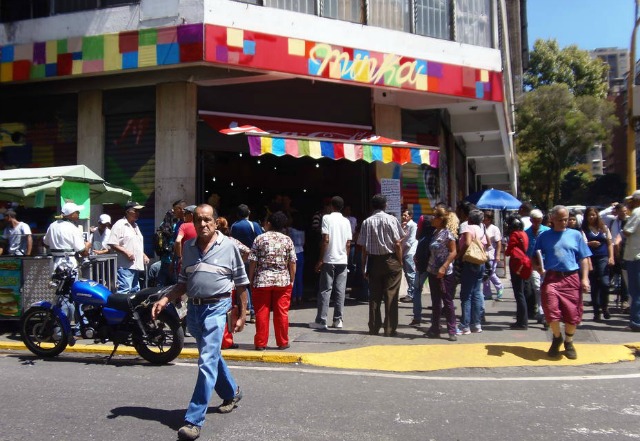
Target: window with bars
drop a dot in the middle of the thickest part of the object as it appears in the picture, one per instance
(473, 22)
(347, 10)
(433, 18)
(390, 14)
(15, 10)
(304, 6)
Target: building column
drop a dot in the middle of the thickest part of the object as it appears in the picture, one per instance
(90, 150)
(176, 124)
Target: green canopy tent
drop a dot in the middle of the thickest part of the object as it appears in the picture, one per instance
(46, 186)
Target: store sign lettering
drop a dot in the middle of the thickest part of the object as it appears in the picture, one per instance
(366, 67)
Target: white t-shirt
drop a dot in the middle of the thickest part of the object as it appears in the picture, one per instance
(494, 236)
(338, 228)
(63, 235)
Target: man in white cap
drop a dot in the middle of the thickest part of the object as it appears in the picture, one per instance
(631, 259)
(100, 236)
(126, 240)
(64, 239)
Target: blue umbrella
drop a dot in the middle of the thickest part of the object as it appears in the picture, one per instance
(494, 199)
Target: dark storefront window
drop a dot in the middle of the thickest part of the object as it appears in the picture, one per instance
(15, 10)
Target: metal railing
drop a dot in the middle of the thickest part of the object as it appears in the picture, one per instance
(103, 269)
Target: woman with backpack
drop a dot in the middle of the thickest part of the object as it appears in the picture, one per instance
(520, 269)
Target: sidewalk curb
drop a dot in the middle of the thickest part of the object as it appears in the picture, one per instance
(407, 358)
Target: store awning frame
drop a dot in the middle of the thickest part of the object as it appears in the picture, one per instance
(374, 148)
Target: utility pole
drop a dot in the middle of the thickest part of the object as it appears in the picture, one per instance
(631, 134)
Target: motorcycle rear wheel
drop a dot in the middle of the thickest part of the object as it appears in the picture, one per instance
(43, 333)
(165, 339)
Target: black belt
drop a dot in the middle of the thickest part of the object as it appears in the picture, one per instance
(208, 300)
(62, 251)
(563, 273)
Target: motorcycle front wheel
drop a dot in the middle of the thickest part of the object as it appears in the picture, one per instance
(43, 333)
(164, 341)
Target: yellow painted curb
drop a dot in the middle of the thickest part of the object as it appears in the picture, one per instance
(408, 358)
(439, 357)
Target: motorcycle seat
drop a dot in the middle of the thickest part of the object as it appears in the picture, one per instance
(124, 302)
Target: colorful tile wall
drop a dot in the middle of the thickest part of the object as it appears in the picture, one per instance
(316, 59)
(229, 46)
(102, 53)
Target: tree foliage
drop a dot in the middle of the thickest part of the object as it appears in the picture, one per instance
(556, 131)
(548, 64)
(562, 115)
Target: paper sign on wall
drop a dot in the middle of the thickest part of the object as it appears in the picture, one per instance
(390, 188)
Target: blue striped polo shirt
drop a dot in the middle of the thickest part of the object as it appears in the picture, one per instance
(215, 273)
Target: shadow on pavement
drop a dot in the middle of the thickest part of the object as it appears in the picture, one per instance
(519, 351)
(174, 419)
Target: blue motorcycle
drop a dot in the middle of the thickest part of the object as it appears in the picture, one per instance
(103, 316)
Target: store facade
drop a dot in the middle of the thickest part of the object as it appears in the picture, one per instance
(149, 99)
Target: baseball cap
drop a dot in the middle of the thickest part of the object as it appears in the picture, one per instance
(190, 208)
(134, 205)
(70, 208)
(104, 219)
(634, 195)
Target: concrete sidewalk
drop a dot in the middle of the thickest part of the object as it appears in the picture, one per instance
(352, 347)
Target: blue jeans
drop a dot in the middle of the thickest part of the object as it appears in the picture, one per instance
(409, 268)
(471, 295)
(633, 274)
(298, 288)
(206, 323)
(332, 278)
(249, 302)
(599, 281)
(417, 294)
(128, 281)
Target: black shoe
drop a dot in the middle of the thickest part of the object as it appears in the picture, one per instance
(432, 334)
(406, 299)
(517, 327)
(596, 318)
(554, 350)
(606, 314)
(570, 350)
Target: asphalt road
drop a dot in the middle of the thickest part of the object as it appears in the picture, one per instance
(79, 398)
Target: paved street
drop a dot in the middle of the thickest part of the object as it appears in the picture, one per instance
(78, 398)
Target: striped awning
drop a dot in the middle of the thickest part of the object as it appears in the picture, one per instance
(371, 149)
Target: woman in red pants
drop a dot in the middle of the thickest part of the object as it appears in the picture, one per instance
(272, 268)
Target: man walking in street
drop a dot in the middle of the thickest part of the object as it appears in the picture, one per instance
(566, 277)
(18, 236)
(631, 258)
(211, 268)
(381, 237)
(408, 253)
(332, 265)
(126, 240)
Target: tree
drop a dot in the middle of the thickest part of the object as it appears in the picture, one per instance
(556, 130)
(548, 64)
(562, 115)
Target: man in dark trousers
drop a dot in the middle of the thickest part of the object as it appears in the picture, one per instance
(381, 240)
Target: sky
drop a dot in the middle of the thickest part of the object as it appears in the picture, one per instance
(589, 24)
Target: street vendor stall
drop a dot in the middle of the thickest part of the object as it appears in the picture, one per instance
(24, 279)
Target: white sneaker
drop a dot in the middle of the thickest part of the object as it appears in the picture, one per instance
(314, 325)
(337, 323)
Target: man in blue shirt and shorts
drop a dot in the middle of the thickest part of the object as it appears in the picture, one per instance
(566, 277)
